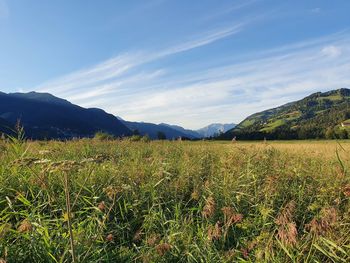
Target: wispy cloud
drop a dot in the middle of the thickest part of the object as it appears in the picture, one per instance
(331, 51)
(122, 65)
(127, 87)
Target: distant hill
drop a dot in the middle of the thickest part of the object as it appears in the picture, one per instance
(316, 116)
(152, 130)
(187, 132)
(215, 129)
(46, 116)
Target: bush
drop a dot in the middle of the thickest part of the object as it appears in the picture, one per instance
(103, 136)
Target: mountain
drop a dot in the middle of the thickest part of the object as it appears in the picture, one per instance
(215, 129)
(43, 97)
(319, 115)
(189, 133)
(152, 130)
(46, 116)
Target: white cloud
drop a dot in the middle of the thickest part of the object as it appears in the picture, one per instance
(127, 87)
(120, 66)
(331, 51)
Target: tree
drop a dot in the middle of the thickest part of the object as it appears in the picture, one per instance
(161, 135)
(329, 133)
(341, 133)
(136, 132)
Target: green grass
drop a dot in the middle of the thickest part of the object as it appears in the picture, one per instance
(124, 201)
(273, 125)
(335, 97)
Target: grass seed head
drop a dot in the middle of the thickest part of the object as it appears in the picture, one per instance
(152, 240)
(215, 232)
(25, 226)
(138, 236)
(288, 234)
(163, 248)
(346, 190)
(101, 206)
(110, 238)
(195, 195)
(209, 208)
(324, 223)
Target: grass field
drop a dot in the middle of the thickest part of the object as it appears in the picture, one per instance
(123, 201)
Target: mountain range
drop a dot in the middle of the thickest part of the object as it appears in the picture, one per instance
(317, 116)
(45, 116)
(215, 129)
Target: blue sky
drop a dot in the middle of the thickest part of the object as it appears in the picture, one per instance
(182, 62)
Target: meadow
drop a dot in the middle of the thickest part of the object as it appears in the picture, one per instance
(122, 201)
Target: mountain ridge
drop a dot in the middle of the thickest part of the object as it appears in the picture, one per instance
(317, 115)
(45, 116)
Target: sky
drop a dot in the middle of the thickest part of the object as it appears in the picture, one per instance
(189, 63)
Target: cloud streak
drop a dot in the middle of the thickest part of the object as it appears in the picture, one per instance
(128, 87)
(121, 65)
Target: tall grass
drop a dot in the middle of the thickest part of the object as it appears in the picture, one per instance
(125, 201)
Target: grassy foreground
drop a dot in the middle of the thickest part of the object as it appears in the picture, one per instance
(122, 201)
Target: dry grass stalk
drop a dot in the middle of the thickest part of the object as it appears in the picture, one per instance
(287, 230)
(138, 236)
(215, 232)
(195, 195)
(25, 226)
(346, 190)
(230, 217)
(69, 215)
(325, 223)
(110, 238)
(101, 206)
(209, 208)
(163, 248)
(152, 240)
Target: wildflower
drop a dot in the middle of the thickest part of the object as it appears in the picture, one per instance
(110, 238)
(163, 248)
(101, 206)
(209, 208)
(25, 226)
(215, 232)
